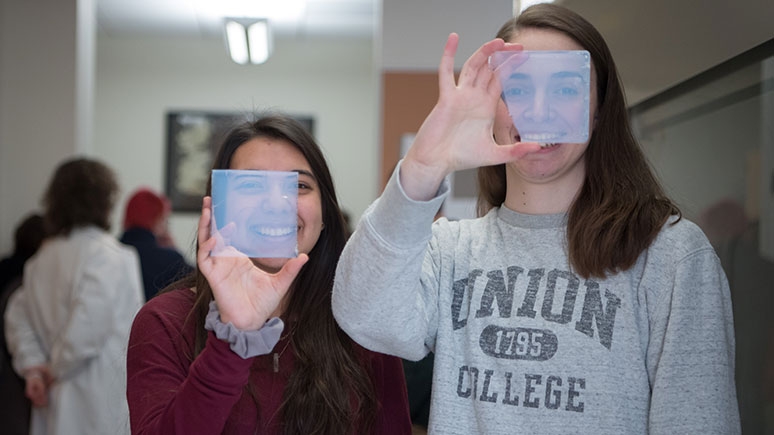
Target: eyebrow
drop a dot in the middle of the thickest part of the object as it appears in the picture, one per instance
(557, 75)
(248, 176)
(257, 174)
(566, 74)
(305, 172)
(519, 76)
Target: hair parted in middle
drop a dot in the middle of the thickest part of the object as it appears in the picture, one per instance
(621, 206)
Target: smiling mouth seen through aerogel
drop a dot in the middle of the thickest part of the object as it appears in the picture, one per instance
(546, 140)
(542, 139)
(271, 231)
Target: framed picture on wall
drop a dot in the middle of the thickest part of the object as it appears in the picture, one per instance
(192, 141)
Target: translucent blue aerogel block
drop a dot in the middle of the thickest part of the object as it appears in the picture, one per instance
(547, 93)
(255, 213)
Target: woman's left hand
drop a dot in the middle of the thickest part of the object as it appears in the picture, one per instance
(246, 295)
(36, 382)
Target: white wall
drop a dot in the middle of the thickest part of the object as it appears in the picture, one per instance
(139, 80)
(44, 104)
(414, 32)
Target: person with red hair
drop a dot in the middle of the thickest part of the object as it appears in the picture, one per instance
(145, 228)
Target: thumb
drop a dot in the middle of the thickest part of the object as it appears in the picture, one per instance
(290, 270)
(227, 232)
(223, 238)
(506, 153)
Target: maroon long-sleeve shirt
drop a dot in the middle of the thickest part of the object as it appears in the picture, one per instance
(168, 394)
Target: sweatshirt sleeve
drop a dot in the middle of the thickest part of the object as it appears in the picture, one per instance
(165, 394)
(690, 355)
(382, 296)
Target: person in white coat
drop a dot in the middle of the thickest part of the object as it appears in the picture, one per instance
(67, 327)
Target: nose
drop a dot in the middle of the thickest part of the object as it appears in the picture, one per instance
(276, 201)
(540, 110)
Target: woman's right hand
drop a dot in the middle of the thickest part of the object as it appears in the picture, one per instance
(457, 134)
(246, 295)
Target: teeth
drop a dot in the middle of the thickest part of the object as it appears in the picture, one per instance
(547, 145)
(540, 137)
(274, 232)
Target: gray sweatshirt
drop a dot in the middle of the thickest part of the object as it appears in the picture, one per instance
(522, 344)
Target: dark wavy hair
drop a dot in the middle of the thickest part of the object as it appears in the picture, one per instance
(621, 206)
(29, 235)
(330, 390)
(81, 192)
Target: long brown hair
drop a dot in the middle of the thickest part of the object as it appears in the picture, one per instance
(330, 390)
(621, 206)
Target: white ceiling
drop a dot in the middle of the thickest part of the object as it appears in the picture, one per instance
(204, 18)
(656, 43)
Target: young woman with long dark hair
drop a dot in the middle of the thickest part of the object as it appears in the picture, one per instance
(250, 345)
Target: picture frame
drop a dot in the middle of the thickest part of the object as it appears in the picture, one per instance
(193, 138)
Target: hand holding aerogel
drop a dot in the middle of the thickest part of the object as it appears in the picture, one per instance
(547, 93)
(254, 213)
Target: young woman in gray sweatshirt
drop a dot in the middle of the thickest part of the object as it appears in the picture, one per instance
(578, 302)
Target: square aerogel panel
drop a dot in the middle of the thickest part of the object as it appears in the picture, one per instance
(255, 213)
(547, 93)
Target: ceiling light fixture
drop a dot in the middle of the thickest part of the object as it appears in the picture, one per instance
(248, 40)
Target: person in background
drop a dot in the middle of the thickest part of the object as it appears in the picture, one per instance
(15, 412)
(28, 237)
(146, 229)
(67, 326)
(419, 384)
(736, 239)
(578, 302)
(250, 345)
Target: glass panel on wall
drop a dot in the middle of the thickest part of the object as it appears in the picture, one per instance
(711, 140)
